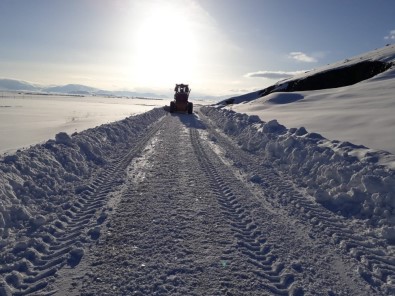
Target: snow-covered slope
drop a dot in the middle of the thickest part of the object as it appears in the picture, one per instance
(12, 84)
(362, 113)
(385, 55)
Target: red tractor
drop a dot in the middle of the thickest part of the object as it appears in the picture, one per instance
(180, 103)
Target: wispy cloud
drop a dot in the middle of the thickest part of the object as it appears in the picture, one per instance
(302, 57)
(243, 90)
(390, 36)
(273, 74)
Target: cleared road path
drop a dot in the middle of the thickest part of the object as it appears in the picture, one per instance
(193, 214)
(166, 204)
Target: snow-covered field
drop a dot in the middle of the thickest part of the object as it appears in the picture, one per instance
(214, 203)
(30, 119)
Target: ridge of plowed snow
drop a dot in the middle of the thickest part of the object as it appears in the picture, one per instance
(34, 182)
(337, 179)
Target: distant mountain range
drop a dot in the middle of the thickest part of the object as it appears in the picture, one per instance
(70, 89)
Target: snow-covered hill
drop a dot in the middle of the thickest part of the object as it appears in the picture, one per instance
(15, 85)
(342, 73)
(362, 113)
(71, 89)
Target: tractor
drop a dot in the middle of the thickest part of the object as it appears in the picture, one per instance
(180, 102)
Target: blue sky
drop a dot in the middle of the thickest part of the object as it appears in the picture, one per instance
(219, 47)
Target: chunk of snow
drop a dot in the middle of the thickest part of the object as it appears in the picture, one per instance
(63, 138)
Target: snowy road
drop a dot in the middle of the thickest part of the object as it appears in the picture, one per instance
(184, 210)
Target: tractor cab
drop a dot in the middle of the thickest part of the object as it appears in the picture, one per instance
(180, 103)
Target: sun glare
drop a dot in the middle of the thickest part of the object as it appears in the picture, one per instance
(165, 47)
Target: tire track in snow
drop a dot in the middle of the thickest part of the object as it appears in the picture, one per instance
(376, 267)
(251, 242)
(375, 262)
(34, 261)
(167, 226)
(172, 236)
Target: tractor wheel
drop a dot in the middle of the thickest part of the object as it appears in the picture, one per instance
(172, 107)
(190, 108)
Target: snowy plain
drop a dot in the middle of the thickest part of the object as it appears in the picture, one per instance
(27, 119)
(214, 203)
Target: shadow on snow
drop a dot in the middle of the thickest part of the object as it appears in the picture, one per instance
(189, 120)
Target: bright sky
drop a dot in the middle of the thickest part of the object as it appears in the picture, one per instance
(219, 47)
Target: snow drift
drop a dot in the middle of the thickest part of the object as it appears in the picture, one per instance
(330, 171)
(38, 182)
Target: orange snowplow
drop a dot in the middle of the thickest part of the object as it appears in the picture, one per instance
(180, 102)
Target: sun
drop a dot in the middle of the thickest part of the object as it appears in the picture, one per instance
(165, 47)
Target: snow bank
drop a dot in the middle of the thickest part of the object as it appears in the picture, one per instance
(330, 170)
(38, 182)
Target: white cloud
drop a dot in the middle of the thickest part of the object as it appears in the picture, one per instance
(273, 74)
(302, 57)
(243, 90)
(390, 36)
